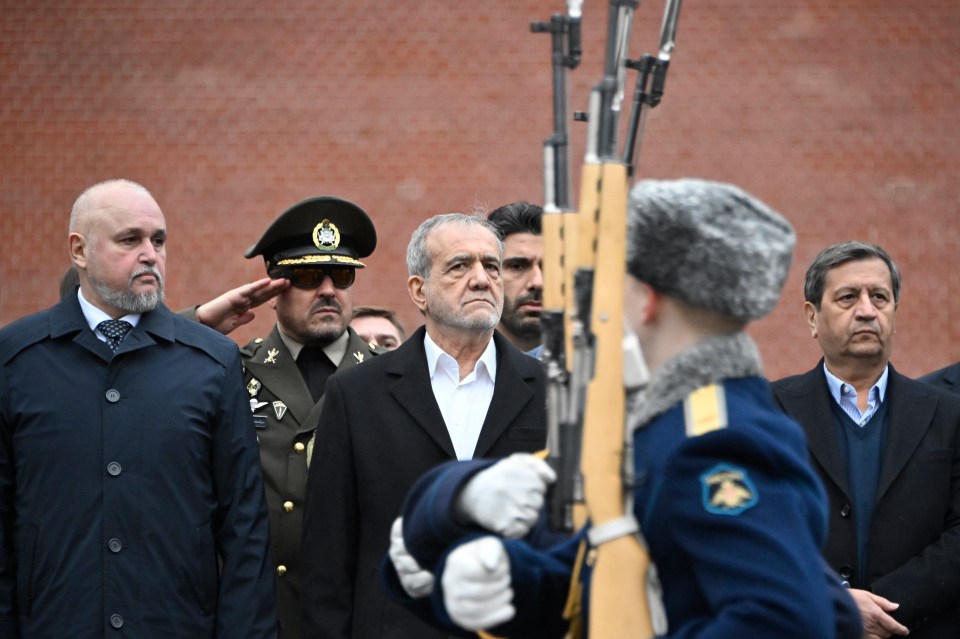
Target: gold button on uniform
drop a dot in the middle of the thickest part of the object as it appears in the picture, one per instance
(288, 506)
(299, 447)
(281, 570)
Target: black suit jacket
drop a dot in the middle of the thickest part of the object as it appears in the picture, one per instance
(914, 556)
(380, 429)
(947, 378)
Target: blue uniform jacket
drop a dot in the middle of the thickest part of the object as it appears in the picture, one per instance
(734, 518)
(131, 500)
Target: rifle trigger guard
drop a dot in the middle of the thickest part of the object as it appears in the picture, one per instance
(613, 529)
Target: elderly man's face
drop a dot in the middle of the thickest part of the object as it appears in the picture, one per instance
(120, 249)
(314, 317)
(857, 316)
(464, 290)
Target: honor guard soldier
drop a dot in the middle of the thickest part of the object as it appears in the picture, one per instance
(317, 245)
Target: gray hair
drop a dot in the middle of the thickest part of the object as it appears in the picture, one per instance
(841, 253)
(419, 258)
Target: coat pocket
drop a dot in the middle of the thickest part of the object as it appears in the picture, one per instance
(26, 556)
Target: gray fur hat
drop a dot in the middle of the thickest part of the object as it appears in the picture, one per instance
(710, 245)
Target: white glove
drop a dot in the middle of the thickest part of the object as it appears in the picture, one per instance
(416, 581)
(506, 497)
(476, 585)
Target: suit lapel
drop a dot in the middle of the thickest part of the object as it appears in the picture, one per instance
(413, 391)
(910, 414)
(276, 369)
(511, 393)
(808, 401)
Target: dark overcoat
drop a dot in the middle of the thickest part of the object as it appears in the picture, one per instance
(131, 498)
(914, 556)
(379, 430)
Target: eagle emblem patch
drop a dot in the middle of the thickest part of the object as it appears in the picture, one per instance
(727, 490)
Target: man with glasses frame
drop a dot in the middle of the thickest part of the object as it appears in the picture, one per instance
(316, 245)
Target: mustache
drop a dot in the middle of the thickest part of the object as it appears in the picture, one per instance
(326, 302)
(147, 270)
(533, 296)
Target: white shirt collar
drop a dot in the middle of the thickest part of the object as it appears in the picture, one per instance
(487, 362)
(94, 315)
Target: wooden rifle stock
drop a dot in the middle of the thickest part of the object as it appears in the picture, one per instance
(584, 278)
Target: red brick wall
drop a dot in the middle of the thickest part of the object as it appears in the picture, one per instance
(841, 115)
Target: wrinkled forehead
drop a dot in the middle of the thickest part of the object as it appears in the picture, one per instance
(456, 238)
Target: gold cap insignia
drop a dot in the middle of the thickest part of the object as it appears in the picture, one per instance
(326, 236)
(727, 490)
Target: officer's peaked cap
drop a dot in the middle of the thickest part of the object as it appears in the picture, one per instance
(319, 231)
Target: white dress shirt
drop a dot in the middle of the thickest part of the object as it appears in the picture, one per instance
(463, 403)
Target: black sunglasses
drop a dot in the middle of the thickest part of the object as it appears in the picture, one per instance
(311, 277)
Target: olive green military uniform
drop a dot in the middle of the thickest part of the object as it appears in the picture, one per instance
(285, 416)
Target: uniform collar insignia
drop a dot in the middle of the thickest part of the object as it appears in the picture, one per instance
(271, 357)
(279, 409)
(359, 357)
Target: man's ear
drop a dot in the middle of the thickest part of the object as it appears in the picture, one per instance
(77, 245)
(415, 285)
(651, 302)
(811, 312)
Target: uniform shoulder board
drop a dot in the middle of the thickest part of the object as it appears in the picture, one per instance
(705, 410)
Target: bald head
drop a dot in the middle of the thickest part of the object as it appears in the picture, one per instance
(117, 241)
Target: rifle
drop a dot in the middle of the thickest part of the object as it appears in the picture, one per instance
(586, 402)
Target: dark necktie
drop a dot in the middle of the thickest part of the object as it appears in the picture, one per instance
(315, 367)
(115, 331)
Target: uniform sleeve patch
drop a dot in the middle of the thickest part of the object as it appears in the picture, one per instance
(727, 490)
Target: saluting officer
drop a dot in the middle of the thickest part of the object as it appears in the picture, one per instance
(317, 245)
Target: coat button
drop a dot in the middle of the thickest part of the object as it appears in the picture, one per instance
(845, 572)
(114, 545)
(299, 448)
(845, 510)
(114, 469)
(113, 396)
(288, 506)
(116, 621)
(281, 570)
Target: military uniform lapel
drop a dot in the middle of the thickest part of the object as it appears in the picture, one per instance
(910, 415)
(274, 368)
(413, 391)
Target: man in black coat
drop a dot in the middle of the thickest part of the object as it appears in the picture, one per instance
(454, 390)
(947, 378)
(131, 498)
(886, 448)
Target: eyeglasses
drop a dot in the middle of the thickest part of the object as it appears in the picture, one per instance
(312, 277)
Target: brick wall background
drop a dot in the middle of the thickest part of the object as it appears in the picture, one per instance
(841, 115)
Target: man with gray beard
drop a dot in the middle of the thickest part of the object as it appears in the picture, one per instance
(455, 389)
(131, 498)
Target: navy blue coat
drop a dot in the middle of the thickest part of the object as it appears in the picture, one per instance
(130, 487)
(734, 519)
